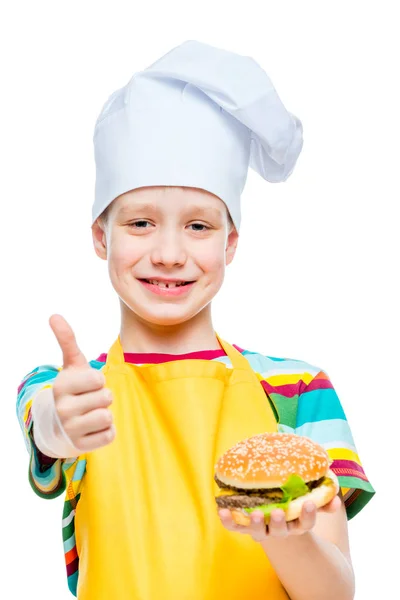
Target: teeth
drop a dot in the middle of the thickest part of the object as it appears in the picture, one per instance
(161, 284)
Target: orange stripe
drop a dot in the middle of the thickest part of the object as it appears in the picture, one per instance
(71, 555)
(321, 375)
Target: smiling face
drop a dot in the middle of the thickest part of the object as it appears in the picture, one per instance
(167, 248)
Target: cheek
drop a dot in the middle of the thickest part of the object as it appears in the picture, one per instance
(212, 259)
(123, 256)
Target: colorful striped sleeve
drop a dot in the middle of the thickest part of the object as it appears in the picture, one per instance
(46, 474)
(320, 416)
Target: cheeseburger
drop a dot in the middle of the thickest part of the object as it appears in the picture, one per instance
(274, 470)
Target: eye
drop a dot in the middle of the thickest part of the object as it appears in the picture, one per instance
(199, 227)
(139, 224)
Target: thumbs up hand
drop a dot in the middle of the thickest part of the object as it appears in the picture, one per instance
(72, 417)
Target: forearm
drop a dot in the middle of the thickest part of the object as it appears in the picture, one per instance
(310, 568)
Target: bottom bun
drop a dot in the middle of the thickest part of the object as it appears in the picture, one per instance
(321, 496)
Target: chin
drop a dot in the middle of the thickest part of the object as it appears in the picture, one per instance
(164, 316)
(166, 320)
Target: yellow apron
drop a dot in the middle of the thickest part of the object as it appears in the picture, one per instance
(146, 523)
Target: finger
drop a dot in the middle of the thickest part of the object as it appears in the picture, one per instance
(96, 440)
(79, 382)
(86, 403)
(258, 529)
(92, 422)
(308, 516)
(226, 518)
(72, 356)
(332, 506)
(277, 526)
(228, 522)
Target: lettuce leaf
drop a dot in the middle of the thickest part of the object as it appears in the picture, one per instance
(293, 488)
(268, 508)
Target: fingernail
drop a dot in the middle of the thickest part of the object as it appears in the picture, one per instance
(309, 508)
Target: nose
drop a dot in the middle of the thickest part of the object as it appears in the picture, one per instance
(169, 250)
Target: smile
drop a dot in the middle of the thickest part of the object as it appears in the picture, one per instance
(167, 284)
(167, 288)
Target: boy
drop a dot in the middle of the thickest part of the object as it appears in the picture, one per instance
(132, 437)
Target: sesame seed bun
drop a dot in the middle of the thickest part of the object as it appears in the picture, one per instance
(321, 496)
(267, 461)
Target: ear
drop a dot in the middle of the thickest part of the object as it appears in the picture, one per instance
(99, 239)
(231, 245)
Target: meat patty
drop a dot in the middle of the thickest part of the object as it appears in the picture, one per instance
(254, 498)
(276, 491)
(243, 501)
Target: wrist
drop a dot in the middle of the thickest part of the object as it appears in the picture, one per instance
(291, 541)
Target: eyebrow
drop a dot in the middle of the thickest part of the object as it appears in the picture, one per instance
(146, 207)
(150, 208)
(204, 210)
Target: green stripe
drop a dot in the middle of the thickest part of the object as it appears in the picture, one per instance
(356, 483)
(366, 495)
(286, 407)
(68, 530)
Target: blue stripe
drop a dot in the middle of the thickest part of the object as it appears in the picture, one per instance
(73, 582)
(223, 359)
(97, 364)
(79, 470)
(69, 543)
(43, 478)
(324, 432)
(264, 364)
(32, 385)
(319, 405)
(45, 373)
(275, 358)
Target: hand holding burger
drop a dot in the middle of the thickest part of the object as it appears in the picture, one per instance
(275, 475)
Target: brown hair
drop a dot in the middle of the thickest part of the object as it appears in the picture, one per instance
(105, 214)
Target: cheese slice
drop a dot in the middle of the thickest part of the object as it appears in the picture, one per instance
(226, 492)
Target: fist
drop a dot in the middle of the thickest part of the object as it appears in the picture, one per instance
(81, 399)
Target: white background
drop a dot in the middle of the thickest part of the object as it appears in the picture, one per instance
(315, 277)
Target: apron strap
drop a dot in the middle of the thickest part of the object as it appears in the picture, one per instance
(237, 359)
(116, 357)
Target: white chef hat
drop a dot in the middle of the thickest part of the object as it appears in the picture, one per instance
(198, 117)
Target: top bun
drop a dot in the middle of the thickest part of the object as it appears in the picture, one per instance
(267, 461)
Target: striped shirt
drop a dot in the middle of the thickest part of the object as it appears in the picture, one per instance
(302, 397)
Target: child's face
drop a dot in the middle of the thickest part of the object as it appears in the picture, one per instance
(157, 234)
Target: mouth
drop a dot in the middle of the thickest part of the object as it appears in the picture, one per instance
(170, 285)
(167, 288)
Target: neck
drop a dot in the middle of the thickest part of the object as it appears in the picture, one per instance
(194, 335)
